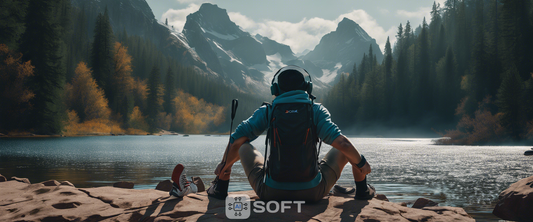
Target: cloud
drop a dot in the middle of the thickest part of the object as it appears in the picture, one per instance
(299, 36)
(383, 11)
(178, 17)
(242, 21)
(302, 35)
(419, 14)
(190, 1)
(306, 34)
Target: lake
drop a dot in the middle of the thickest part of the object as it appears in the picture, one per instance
(403, 169)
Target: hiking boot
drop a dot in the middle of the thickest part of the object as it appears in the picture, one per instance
(343, 190)
(180, 185)
(366, 195)
(218, 189)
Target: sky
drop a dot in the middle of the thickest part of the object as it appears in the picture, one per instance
(302, 23)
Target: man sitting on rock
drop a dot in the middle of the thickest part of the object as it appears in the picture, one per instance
(295, 124)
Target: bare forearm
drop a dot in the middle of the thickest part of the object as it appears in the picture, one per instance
(348, 149)
(233, 151)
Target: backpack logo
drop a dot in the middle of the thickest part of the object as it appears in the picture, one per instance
(291, 111)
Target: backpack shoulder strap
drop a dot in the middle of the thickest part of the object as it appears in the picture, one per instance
(315, 129)
(268, 107)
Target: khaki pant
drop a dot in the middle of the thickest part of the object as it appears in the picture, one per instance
(253, 164)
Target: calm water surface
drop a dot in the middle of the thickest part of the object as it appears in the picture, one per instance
(403, 169)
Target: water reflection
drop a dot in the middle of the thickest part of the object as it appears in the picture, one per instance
(403, 169)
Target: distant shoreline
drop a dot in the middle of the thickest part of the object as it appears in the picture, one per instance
(160, 133)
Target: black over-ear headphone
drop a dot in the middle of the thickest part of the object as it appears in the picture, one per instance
(274, 87)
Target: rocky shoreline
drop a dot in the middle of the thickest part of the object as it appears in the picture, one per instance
(61, 201)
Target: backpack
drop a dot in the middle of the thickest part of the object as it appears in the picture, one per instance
(293, 142)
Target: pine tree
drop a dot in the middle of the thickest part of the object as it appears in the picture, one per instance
(402, 69)
(462, 39)
(479, 80)
(170, 92)
(12, 14)
(388, 86)
(362, 71)
(153, 106)
(371, 58)
(448, 87)
(528, 100)
(41, 43)
(399, 37)
(516, 36)
(434, 33)
(493, 64)
(509, 102)
(425, 83)
(450, 14)
(102, 55)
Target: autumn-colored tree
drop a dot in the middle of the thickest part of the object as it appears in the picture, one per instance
(483, 128)
(14, 92)
(122, 82)
(140, 93)
(85, 97)
(195, 115)
(137, 120)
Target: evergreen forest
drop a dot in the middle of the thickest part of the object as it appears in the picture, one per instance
(64, 71)
(465, 74)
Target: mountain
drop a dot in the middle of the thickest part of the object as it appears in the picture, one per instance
(338, 50)
(215, 46)
(272, 48)
(240, 58)
(249, 62)
(136, 18)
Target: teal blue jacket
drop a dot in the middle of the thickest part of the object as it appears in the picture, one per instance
(258, 123)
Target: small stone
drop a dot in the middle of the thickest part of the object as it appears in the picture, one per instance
(423, 202)
(2, 178)
(382, 197)
(67, 183)
(23, 180)
(403, 204)
(199, 183)
(165, 185)
(66, 205)
(124, 184)
(51, 183)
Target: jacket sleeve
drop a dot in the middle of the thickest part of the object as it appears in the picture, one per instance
(252, 127)
(327, 130)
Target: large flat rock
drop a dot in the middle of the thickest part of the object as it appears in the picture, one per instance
(516, 202)
(37, 202)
